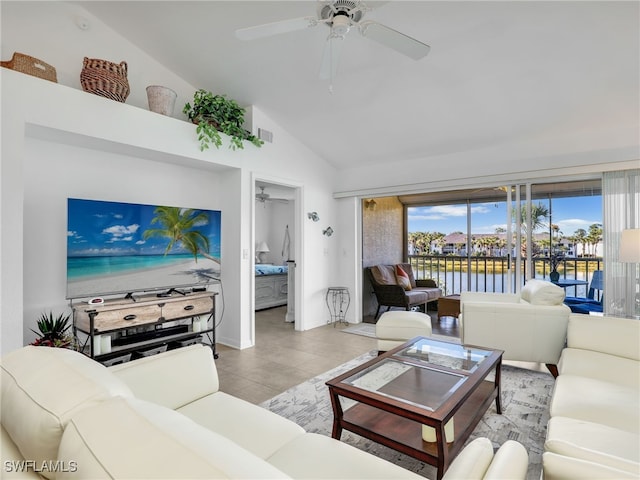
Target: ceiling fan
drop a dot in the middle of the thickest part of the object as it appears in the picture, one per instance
(263, 197)
(340, 16)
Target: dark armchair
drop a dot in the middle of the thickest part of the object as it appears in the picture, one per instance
(390, 293)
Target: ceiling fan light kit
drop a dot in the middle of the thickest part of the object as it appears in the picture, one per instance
(340, 16)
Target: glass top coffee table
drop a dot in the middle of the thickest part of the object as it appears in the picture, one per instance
(423, 389)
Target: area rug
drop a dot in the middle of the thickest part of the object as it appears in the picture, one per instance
(363, 329)
(525, 413)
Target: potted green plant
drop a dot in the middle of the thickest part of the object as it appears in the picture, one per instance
(555, 260)
(214, 114)
(53, 331)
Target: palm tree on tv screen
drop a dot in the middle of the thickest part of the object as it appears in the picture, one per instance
(179, 227)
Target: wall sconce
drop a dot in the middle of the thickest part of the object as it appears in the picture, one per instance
(313, 216)
(328, 232)
(370, 204)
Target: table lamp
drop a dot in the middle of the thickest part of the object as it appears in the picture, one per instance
(261, 249)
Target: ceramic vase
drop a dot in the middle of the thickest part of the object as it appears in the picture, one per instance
(161, 99)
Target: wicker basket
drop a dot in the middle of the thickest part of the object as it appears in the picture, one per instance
(105, 78)
(31, 66)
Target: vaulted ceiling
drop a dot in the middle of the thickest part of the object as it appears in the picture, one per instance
(499, 73)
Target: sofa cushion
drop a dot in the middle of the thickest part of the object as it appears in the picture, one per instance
(600, 366)
(313, 456)
(42, 388)
(402, 278)
(539, 292)
(131, 438)
(384, 274)
(416, 296)
(594, 442)
(252, 427)
(596, 401)
(560, 467)
(605, 334)
(408, 269)
(12, 468)
(188, 374)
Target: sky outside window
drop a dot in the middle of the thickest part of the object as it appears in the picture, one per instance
(570, 214)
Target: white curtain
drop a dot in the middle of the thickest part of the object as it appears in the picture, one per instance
(621, 210)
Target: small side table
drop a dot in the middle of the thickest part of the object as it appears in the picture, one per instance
(449, 306)
(338, 301)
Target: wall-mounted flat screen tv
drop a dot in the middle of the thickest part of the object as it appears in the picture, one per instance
(121, 248)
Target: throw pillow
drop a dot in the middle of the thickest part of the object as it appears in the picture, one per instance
(540, 292)
(402, 278)
(384, 274)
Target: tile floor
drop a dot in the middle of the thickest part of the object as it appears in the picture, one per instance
(283, 358)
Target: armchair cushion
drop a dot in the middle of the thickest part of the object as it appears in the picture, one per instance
(539, 292)
(384, 274)
(402, 278)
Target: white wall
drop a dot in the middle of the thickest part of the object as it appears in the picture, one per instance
(271, 219)
(131, 155)
(55, 172)
(48, 31)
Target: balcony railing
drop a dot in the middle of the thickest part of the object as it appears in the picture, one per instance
(456, 274)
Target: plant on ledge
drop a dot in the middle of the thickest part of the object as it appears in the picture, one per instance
(214, 114)
(53, 331)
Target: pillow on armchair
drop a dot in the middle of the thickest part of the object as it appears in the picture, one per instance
(540, 292)
(384, 274)
(402, 278)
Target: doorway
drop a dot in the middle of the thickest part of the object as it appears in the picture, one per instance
(276, 250)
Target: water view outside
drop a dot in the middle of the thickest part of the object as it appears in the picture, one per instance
(567, 235)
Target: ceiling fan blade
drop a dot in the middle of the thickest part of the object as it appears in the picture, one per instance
(276, 28)
(331, 57)
(395, 40)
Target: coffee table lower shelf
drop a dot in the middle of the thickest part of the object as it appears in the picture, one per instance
(405, 435)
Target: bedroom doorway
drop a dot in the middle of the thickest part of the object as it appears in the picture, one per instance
(276, 249)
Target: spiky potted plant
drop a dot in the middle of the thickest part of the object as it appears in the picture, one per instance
(214, 114)
(53, 332)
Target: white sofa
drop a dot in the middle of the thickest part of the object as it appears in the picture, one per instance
(164, 417)
(594, 429)
(529, 327)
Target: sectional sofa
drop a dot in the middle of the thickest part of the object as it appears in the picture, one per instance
(594, 429)
(164, 417)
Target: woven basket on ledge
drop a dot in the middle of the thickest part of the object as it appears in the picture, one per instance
(105, 78)
(31, 66)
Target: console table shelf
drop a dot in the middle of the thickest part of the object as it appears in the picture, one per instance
(142, 322)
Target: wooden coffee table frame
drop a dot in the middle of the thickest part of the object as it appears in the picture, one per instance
(398, 424)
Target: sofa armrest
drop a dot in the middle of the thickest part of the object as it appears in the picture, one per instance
(477, 461)
(426, 282)
(510, 461)
(173, 378)
(390, 294)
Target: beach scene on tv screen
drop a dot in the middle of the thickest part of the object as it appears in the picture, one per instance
(115, 247)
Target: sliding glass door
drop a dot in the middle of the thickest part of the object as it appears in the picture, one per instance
(494, 239)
